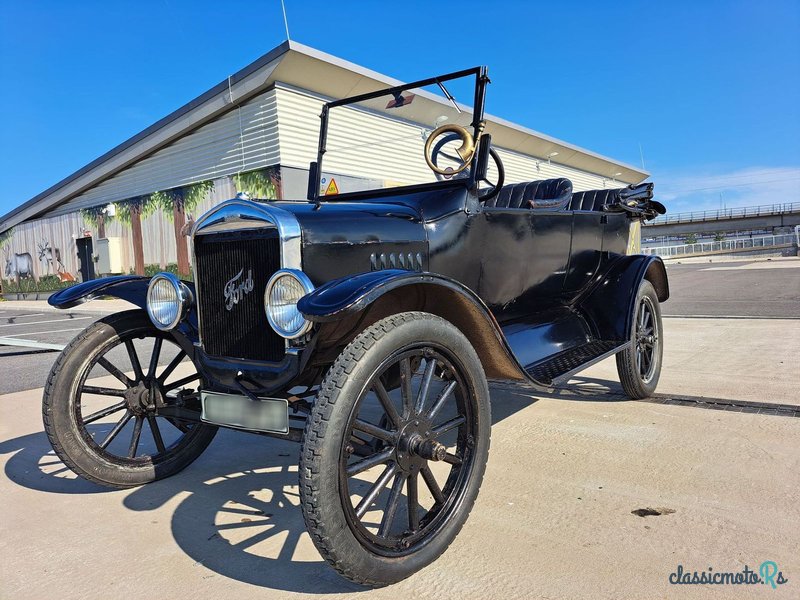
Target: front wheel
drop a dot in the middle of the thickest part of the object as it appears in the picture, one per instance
(101, 403)
(395, 448)
(639, 365)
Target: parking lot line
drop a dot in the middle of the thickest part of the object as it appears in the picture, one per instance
(43, 332)
(7, 341)
(23, 316)
(52, 321)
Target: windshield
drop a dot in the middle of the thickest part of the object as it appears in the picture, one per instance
(377, 140)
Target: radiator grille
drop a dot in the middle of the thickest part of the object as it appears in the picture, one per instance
(243, 331)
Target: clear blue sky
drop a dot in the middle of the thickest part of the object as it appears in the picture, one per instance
(711, 90)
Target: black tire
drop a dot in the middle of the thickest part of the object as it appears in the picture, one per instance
(325, 481)
(639, 365)
(70, 436)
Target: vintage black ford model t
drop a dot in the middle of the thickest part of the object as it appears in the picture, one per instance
(365, 325)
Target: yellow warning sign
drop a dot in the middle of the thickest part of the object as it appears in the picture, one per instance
(332, 188)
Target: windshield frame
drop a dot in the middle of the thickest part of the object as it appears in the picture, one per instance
(315, 172)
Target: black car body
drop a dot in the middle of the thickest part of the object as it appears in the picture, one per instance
(548, 290)
(542, 282)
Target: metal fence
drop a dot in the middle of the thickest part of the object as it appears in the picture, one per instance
(764, 241)
(728, 213)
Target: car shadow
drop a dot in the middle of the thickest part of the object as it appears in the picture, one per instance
(507, 395)
(242, 518)
(589, 389)
(33, 464)
(237, 510)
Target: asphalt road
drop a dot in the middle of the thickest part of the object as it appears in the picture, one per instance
(24, 368)
(735, 289)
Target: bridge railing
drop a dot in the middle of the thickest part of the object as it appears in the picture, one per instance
(728, 213)
(739, 244)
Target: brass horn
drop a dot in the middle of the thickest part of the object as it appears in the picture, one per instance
(465, 152)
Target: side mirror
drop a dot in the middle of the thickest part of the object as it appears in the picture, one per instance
(313, 181)
(482, 164)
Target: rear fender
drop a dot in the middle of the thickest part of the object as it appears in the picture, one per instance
(609, 302)
(344, 307)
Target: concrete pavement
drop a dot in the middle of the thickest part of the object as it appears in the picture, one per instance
(554, 517)
(755, 360)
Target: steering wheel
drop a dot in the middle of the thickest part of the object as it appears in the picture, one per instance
(434, 151)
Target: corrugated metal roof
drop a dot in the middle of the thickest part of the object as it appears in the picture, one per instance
(304, 67)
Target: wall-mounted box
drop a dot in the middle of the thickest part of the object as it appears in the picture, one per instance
(109, 256)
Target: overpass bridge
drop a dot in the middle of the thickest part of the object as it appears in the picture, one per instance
(768, 217)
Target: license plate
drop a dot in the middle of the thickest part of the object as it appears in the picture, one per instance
(232, 410)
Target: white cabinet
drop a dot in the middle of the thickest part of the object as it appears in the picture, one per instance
(109, 256)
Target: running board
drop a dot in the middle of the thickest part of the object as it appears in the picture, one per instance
(560, 367)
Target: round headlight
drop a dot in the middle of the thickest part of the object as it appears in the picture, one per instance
(166, 299)
(284, 290)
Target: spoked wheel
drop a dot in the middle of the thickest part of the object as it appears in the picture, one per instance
(395, 449)
(639, 366)
(646, 339)
(103, 399)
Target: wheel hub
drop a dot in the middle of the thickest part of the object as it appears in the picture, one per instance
(427, 448)
(415, 445)
(143, 398)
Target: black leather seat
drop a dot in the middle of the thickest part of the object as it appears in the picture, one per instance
(593, 199)
(553, 194)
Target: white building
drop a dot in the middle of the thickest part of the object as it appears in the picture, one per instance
(258, 129)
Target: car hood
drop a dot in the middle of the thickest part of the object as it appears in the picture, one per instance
(355, 222)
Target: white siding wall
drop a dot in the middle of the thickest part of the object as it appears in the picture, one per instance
(520, 167)
(217, 150)
(158, 231)
(212, 151)
(298, 123)
(400, 161)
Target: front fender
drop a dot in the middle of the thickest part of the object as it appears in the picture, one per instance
(347, 295)
(132, 288)
(361, 300)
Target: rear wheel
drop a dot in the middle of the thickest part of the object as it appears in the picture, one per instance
(101, 402)
(395, 448)
(639, 365)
